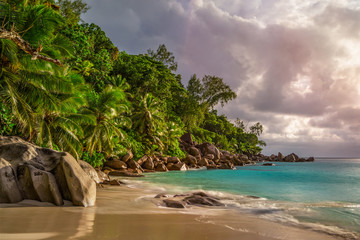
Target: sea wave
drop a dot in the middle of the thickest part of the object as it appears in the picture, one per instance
(276, 211)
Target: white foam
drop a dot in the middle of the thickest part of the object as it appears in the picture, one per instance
(197, 169)
(276, 211)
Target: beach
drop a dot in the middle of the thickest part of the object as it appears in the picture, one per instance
(124, 212)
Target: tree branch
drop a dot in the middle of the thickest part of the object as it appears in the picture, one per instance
(26, 47)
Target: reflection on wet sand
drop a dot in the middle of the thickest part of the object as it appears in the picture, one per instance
(45, 223)
(28, 236)
(85, 225)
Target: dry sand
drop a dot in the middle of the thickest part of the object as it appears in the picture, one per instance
(126, 213)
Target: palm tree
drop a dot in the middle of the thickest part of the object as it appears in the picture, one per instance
(60, 125)
(171, 136)
(108, 108)
(27, 85)
(148, 121)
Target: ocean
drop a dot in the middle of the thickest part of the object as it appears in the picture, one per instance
(323, 195)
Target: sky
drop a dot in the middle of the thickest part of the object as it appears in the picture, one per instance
(294, 64)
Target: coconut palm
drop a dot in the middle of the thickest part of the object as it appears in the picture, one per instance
(60, 125)
(148, 121)
(171, 136)
(27, 85)
(108, 108)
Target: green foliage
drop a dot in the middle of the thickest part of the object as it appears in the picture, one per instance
(146, 75)
(103, 103)
(95, 159)
(28, 87)
(7, 122)
(133, 143)
(176, 152)
(94, 53)
(108, 109)
(220, 131)
(195, 88)
(211, 90)
(256, 129)
(120, 148)
(148, 121)
(164, 56)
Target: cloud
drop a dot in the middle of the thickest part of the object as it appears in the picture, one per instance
(295, 64)
(136, 26)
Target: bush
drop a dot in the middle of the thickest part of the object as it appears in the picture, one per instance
(7, 122)
(176, 152)
(95, 160)
(137, 148)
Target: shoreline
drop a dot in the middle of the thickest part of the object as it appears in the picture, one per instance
(251, 206)
(124, 212)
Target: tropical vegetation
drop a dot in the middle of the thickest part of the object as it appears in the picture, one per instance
(66, 86)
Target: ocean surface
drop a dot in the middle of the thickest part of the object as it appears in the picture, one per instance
(323, 195)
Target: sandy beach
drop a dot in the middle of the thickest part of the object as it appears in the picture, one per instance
(128, 213)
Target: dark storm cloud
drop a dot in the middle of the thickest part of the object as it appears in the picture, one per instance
(293, 63)
(136, 25)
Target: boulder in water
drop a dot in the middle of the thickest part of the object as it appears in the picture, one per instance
(173, 203)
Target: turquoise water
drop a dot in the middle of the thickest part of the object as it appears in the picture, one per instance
(326, 191)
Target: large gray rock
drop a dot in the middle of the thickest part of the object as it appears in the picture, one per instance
(9, 189)
(31, 172)
(190, 160)
(161, 168)
(296, 157)
(310, 159)
(116, 164)
(148, 164)
(102, 176)
(90, 171)
(236, 161)
(128, 156)
(290, 158)
(194, 152)
(243, 158)
(75, 185)
(187, 138)
(208, 148)
(226, 165)
(143, 159)
(280, 157)
(177, 167)
(173, 160)
(203, 162)
(133, 165)
(173, 203)
(39, 185)
(202, 199)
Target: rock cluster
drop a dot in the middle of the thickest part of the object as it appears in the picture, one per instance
(31, 172)
(281, 158)
(196, 198)
(198, 155)
(209, 156)
(204, 155)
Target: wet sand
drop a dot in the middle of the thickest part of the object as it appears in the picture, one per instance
(126, 213)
